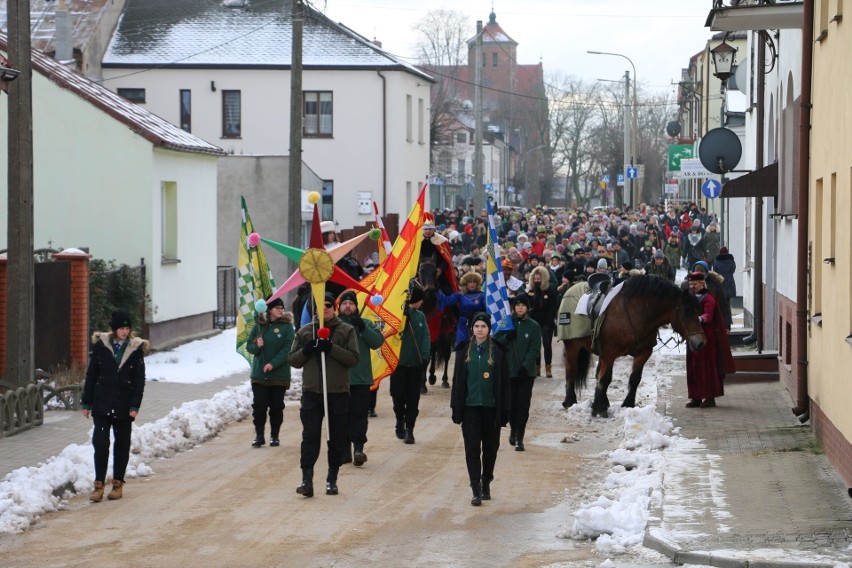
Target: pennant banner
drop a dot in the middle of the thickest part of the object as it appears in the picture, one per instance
(496, 298)
(254, 280)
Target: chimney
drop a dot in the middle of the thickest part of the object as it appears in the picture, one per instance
(377, 43)
(64, 53)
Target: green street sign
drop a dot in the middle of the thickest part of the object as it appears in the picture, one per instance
(677, 152)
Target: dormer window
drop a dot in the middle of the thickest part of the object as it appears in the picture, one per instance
(461, 137)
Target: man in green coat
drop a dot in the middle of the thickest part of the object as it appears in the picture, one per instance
(413, 358)
(523, 344)
(360, 376)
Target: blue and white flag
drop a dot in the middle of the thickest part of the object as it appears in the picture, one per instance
(496, 298)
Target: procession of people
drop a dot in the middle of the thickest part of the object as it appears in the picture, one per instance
(542, 253)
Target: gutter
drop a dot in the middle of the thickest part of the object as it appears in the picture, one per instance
(384, 142)
(801, 396)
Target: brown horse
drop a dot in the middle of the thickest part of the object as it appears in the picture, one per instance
(630, 326)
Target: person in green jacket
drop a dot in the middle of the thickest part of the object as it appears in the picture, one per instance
(523, 343)
(413, 357)
(269, 343)
(360, 376)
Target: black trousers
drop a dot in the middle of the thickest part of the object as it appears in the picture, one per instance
(359, 407)
(405, 392)
(120, 451)
(522, 388)
(267, 399)
(481, 442)
(546, 342)
(311, 414)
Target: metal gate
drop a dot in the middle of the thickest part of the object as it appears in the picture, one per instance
(226, 297)
(52, 313)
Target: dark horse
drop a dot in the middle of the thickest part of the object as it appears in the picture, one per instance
(442, 323)
(630, 326)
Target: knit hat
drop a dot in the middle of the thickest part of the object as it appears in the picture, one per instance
(723, 250)
(602, 263)
(659, 254)
(701, 265)
(521, 299)
(348, 296)
(480, 316)
(329, 297)
(627, 265)
(272, 303)
(120, 318)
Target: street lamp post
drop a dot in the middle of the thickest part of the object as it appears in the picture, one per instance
(633, 198)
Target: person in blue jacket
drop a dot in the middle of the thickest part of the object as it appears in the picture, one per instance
(469, 300)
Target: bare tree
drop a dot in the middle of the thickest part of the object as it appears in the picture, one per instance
(653, 114)
(441, 50)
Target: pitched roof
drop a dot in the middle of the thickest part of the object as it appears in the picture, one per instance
(85, 15)
(144, 123)
(206, 34)
(493, 33)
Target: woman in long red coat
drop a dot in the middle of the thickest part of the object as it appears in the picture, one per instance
(706, 369)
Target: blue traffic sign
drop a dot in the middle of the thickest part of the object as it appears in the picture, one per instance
(632, 172)
(605, 178)
(711, 188)
(620, 179)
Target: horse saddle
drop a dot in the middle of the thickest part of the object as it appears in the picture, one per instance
(599, 285)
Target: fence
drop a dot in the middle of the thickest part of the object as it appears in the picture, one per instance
(20, 407)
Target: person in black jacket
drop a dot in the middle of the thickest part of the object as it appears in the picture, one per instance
(481, 402)
(112, 395)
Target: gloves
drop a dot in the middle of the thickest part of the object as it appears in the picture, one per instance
(457, 417)
(308, 348)
(324, 345)
(358, 323)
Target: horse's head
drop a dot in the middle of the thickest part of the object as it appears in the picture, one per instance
(686, 321)
(427, 274)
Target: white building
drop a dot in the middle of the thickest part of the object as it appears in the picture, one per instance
(223, 73)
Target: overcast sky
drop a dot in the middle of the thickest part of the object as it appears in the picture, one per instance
(659, 36)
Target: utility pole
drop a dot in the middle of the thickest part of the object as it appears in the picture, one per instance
(627, 141)
(478, 192)
(20, 367)
(294, 199)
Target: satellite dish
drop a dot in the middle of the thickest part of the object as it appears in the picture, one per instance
(720, 151)
(673, 128)
(739, 80)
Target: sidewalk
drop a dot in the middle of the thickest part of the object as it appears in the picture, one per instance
(64, 427)
(764, 495)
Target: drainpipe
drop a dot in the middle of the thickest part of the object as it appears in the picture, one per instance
(802, 407)
(384, 142)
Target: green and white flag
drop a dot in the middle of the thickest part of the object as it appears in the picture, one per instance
(254, 281)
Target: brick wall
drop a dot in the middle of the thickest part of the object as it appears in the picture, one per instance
(78, 333)
(837, 449)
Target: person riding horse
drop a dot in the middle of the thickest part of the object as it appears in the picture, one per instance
(436, 247)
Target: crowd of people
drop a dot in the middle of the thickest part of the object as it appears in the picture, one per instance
(544, 252)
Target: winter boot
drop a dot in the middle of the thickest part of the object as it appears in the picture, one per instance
(331, 482)
(519, 442)
(409, 435)
(538, 369)
(116, 492)
(258, 442)
(477, 494)
(98, 494)
(400, 429)
(549, 371)
(360, 457)
(513, 437)
(307, 486)
(486, 488)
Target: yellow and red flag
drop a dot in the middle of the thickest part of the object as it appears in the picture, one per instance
(390, 280)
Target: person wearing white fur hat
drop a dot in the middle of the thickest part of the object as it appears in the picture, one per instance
(329, 235)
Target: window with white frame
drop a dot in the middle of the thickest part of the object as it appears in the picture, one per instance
(232, 114)
(318, 114)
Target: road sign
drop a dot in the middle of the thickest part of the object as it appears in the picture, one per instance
(632, 172)
(678, 152)
(605, 178)
(711, 188)
(620, 179)
(671, 189)
(488, 187)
